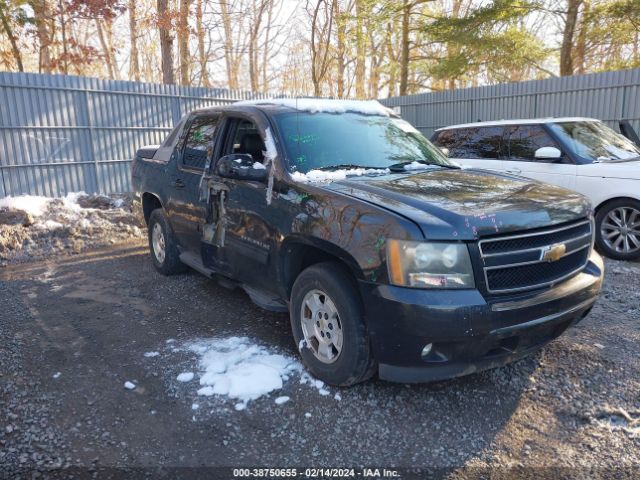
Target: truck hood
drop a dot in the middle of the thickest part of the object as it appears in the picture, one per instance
(625, 170)
(467, 204)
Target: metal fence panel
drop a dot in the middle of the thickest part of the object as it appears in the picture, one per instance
(61, 133)
(609, 96)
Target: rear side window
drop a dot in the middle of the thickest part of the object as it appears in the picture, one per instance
(198, 141)
(476, 142)
(524, 140)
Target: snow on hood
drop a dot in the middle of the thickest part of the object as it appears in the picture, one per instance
(324, 105)
(331, 176)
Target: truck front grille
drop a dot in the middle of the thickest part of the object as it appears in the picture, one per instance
(538, 259)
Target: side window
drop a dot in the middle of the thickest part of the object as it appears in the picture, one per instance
(199, 140)
(524, 140)
(470, 143)
(247, 139)
(487, 141)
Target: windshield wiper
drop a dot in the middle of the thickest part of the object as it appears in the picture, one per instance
(400, 167)
(347, 166)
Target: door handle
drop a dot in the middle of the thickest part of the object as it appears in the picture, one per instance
(178, 183)
(515, 171)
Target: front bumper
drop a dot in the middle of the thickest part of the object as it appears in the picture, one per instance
(469, 333)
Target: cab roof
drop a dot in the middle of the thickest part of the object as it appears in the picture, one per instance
(310, 105)
(523, 121)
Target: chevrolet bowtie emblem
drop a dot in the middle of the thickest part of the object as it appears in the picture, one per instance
(553, 253)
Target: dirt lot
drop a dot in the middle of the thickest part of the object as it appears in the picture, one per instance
(74, 329)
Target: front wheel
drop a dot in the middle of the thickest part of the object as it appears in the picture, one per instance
(618, 229)
(327, 319)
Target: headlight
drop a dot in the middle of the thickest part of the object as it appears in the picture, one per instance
(429, 264)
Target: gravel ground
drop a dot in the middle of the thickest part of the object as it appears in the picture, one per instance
(76, 328)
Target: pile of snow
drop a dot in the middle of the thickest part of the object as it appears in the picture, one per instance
(240, 369)
(332, 176)
(324, 105)
(237, 368)
(33, 226)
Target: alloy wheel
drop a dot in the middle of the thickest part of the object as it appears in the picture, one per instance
(621, 230)
(321, 326)
(158, 242)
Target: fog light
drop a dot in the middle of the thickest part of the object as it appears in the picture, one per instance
(427, 349)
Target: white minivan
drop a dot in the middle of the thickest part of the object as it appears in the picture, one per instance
(581, 154)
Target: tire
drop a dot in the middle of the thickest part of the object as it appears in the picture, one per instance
(613, 221)
(352, 362)
(165, 257)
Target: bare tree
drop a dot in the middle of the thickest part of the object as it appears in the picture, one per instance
(321, 27)
(166, 41)
(134, 64)
(183, 41)
(6, 25)
(202, 53)
(230, 54)
(106, 48)
(570, 25)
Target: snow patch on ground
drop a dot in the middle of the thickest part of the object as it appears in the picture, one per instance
(324, 105)
(151, 354)
(33, 227)
(185, 377)
(237, 368)
(129, 385)
(240, 369)
(332, 176)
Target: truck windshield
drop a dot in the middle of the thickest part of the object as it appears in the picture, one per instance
(351, 140)
(596, 142)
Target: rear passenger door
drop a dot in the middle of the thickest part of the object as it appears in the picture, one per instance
(522, 143)
(475, 147)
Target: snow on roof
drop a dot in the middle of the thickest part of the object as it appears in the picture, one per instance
(521, 121)
(317, 105)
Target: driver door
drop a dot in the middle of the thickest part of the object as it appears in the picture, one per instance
(245, 254)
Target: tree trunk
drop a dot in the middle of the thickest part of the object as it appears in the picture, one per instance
(265, 51)
(12, 40)
(405, 48)
(105, 48)
(393, 64)
(360, 51)
(256, 21)
(229, 57)
(566, 50)
(63, 33)
(202, 54)
(183, 41)
(134, 63)
(579, 53)
(42, 19)
(166, 42)
(341, 28)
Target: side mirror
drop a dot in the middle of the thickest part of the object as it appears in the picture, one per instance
(241, 166)
(445, 150)
(548, 153)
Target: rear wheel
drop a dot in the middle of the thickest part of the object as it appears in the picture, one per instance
(618, 229)
(163, 245)
(327, 319)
